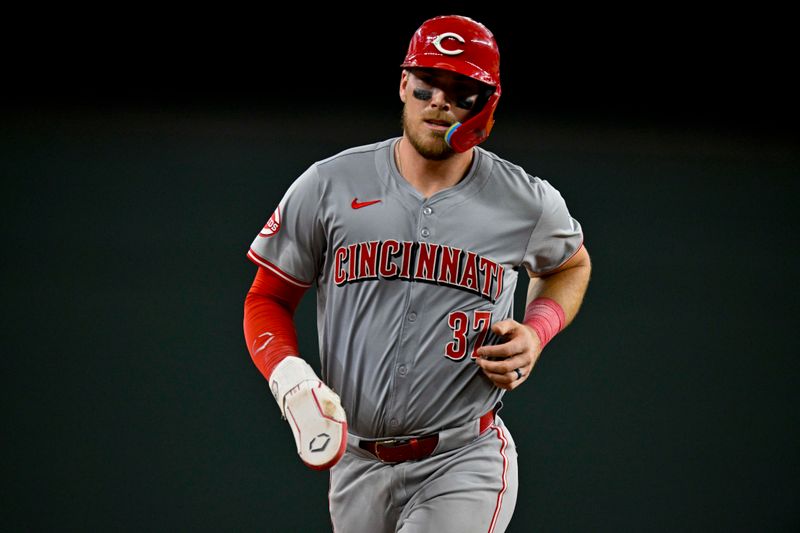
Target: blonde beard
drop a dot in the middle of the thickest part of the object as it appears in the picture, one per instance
(433, 147)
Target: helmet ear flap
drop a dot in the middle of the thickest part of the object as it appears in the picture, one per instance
(463, 136)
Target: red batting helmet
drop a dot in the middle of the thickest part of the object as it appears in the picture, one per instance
(465, 46)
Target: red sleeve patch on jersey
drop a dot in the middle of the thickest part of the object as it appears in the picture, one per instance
(273, 224)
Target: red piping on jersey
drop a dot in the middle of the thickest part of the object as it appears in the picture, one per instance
(562, 263)
(505, 481)
(257, 259)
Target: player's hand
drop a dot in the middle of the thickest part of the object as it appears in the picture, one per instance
(520, 351)
(313, 410)
(318, 423)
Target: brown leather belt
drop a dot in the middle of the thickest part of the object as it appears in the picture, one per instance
(414, 449)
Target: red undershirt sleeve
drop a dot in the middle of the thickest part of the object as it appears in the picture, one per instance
(268, 320)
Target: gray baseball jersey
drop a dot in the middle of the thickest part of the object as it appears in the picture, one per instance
(408, 287)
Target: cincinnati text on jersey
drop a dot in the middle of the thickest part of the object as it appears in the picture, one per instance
(418, 261)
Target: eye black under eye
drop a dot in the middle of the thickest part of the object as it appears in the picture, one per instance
(466, 103)
(422, 94)
(462, 102)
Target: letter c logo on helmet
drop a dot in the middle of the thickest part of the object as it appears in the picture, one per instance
(476, 57)
(437, 42)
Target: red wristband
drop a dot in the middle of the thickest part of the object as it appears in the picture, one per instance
(546, 317)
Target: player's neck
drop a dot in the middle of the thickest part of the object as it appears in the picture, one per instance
(428, 176)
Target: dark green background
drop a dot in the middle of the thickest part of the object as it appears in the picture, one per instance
(134, 180)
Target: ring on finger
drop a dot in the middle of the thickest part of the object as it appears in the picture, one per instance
(519, 373)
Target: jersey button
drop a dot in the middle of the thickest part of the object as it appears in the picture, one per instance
(427, 211)
(394, 423)
(425, 232)
(412, 316)
(402, 370)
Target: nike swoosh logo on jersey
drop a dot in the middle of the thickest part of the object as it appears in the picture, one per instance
(358, 205)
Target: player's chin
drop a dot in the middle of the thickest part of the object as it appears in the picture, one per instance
(432, 145)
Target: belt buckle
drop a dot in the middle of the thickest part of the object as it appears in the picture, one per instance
(392, 442)
(389, 443)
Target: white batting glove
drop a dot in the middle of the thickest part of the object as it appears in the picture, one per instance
(313, 410)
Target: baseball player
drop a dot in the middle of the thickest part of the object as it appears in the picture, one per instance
(414, 245)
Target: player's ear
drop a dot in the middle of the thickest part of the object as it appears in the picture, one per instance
(403, 85)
